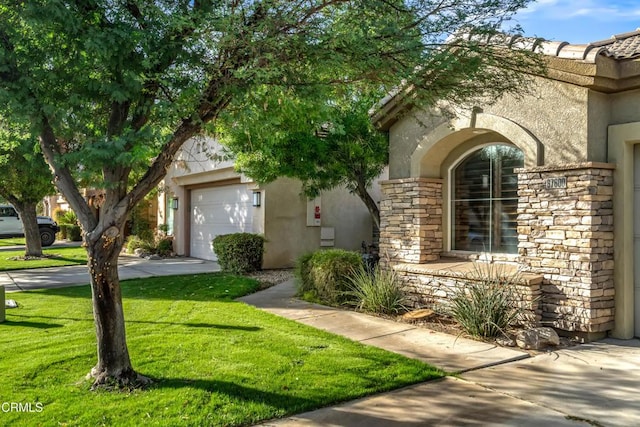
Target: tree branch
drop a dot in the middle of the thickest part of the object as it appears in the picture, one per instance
(63, 178)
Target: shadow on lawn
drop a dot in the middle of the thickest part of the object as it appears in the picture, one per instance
(151, 322)
(287, 402)
(66, 259)
(29, 324)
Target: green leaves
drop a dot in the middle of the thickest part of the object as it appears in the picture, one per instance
(119, 86)
(25, 176)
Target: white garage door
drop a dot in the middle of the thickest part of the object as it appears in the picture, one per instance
(215, 211)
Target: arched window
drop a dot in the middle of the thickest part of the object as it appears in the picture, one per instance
(485, 200)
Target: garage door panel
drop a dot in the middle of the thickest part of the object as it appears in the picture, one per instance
(216, 211)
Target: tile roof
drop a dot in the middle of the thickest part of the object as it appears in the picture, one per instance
(620, 46)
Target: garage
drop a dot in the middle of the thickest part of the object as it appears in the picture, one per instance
(216, 211)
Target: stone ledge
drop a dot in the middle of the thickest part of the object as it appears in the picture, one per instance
(456, 269)
(565, 167)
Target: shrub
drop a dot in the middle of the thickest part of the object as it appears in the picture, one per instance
(240, 252)
(134, 242)
(326, 272)
(164, 246)
(58, 215)
(485, 304)
(63, 231)
(69, 217)
(74, 233)
(376, 291)
(303, 271)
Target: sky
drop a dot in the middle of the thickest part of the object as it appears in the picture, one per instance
(579, 21)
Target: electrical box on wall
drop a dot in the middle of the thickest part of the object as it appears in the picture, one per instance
(314, 212)
(327, 237)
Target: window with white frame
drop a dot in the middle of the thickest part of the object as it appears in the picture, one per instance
(485, 200)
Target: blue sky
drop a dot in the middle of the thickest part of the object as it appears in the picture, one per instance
(579, 21)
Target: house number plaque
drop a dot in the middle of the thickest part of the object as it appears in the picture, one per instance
(557, 182)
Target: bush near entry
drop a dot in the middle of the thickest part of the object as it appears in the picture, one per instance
(325, 273)
(239, 252)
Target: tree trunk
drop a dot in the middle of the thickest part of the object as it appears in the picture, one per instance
(113, 369)
(374, 211)
(28, 216)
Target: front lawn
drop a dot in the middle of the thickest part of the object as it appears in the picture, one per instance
(55, 257)
(12, 241)
(214, 361)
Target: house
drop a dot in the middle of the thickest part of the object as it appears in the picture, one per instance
(203, 196)
(548, 183)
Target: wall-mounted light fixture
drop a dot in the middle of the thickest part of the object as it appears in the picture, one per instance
(257, 196)
(173, 204)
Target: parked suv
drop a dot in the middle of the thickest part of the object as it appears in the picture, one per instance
(11, 225)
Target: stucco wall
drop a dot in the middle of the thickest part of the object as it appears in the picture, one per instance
(404, 137)
(624, 107)
(282, 217)
(286, 227)
(555, 114)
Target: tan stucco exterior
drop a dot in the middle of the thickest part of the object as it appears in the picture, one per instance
(283, 215)
(585, 112)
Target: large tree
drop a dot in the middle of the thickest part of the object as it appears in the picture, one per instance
(26, 179)
(327, 141)
(109, 84)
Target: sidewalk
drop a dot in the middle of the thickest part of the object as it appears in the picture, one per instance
(129, 267)
(592, 384)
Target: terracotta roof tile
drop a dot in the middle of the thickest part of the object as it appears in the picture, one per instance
(625, 46)
(621, 46)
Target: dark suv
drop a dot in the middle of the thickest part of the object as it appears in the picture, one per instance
(11, 225)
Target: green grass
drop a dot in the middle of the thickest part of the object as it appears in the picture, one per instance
(214, 361)
(60, 256)
(12, 241)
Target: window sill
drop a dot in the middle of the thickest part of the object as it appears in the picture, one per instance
(482, 256)
(458, 268)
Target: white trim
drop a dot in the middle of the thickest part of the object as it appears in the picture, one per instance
(621, 141)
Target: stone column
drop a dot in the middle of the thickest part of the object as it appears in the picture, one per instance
(565, 233)
(411, 221)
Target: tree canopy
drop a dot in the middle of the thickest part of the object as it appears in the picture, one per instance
(26, 180)
(326, 141)
(111, 85)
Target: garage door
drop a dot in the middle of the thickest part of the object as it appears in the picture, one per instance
(215, 211)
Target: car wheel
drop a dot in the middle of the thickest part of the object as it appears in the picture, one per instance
(47, 237)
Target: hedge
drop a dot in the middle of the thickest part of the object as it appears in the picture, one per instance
(240, 252)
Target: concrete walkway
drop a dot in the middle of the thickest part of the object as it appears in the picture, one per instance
(592, 384)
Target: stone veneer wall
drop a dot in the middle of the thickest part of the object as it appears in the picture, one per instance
(434, 287)
(411, 221)
(566, 235)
